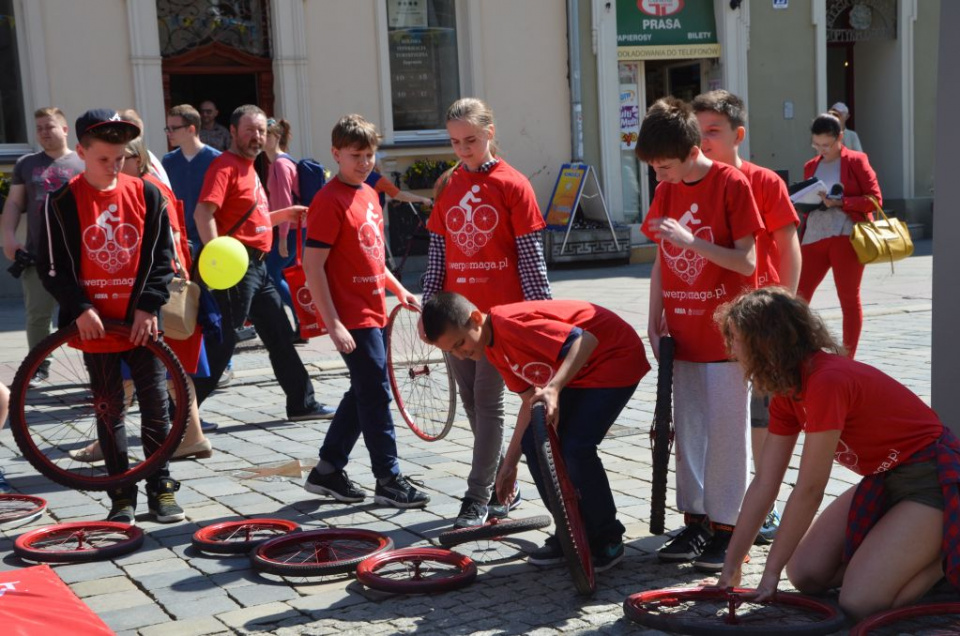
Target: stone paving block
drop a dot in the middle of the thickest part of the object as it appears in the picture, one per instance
(118, 601)
(128, 619)
(203, 626)
(209, 605)
(98, 587)
(250, 617)
(79, 572)
(251, 595)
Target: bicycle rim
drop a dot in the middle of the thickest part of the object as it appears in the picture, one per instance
(235, 537)
(78, 542)
(420, 377)
(564, 504)
(662, 422)
(417, 571)
(318, 552)
(931, 619)
(493, 529)
(19, 509)
(61, 414)
(706, 611)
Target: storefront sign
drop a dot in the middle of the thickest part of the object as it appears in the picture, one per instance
(407, 13)
(577, 187)
(662, 29)
(629, 116)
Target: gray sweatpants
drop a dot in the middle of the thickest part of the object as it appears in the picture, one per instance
(481, 391)
(711, 406)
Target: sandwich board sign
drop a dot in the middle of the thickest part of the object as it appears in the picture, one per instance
(577, 187)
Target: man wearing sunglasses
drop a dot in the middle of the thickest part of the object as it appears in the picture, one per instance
(213, 133)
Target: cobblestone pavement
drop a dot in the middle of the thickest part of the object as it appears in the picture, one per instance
(167, 587)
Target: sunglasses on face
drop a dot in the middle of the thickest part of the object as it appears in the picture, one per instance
(170, 129)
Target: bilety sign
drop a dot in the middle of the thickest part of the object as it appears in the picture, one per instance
(664, 29)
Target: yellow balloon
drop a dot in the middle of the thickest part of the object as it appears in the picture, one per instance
(223, 262)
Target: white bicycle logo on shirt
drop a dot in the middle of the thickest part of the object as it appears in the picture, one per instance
(469, 227)
(111, 246)
(371, 239)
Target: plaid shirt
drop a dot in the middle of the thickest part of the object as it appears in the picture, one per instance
(531, 265)
(870, 498)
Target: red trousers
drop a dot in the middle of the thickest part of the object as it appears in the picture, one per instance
(837, 253)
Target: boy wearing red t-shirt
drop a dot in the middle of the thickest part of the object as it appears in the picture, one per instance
(583, 362)
(347, 277)
(108, 256)
(722, 117)
(704, 219)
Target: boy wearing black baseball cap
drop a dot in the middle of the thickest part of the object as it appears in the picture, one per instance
(108, 257)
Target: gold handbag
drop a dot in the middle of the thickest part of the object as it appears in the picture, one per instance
(179, 314)
(881, 241)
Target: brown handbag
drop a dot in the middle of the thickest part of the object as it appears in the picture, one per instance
(179, 314)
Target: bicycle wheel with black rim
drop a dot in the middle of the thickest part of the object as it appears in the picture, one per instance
(78, 542)
(493, 529)
(238, 537)
(20, 509)
(420, 377)
(708, 611)
(661, 434)
(417, 571)
(61, 414)
(564, 503)
(931, 619)
(318, 552)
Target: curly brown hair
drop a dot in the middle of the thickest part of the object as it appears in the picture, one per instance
(778, 334)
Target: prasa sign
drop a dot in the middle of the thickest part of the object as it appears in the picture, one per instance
(660, 7)
(676, 28)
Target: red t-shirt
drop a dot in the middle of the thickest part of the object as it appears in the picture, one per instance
(720, 209)
(528, 338)
(349, 220)
(112, 224)
(773, 201)
(882, 421)
(480, 215)
(232, 184)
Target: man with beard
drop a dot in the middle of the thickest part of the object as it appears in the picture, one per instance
(233, 203)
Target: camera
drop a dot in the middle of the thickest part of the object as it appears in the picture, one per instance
(21, 261)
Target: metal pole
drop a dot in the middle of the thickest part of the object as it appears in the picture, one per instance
(576, 107)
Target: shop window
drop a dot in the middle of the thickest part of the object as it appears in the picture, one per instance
(424, 60)
(13, 122)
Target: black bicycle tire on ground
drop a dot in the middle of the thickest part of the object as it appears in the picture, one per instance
(20, 426)
(367, 571)
(568, 524)
(661, 434)
(25, 545)
(406, 410)
(211, 538)
(833, 619)
(883, 619)
(493, 530)
(29, 507)
(267, 556)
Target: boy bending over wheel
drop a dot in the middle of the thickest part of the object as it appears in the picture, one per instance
(109, 254)
(583, 362)
(885, 542)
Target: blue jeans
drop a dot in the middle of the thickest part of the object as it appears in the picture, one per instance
(365, 408)
(276, 264)
(585, 417)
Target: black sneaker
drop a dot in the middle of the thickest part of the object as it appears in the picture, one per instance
(123, 510)
(498, 510)
(162, 503)
(335, 484)
(315, 412)
(472, 514)
(715, 552)
(607, 556)
(550, 553)
(399, 493)
(687, 545)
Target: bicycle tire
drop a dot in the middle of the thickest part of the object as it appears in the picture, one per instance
(238, 537)
(493, 529)
(386, 571)
(420, 377)
(332, 550)
(60, 414)
(641, 608)
(872, 625)
(661, 434)
(563, 500)
(19, 509)
(95, 541)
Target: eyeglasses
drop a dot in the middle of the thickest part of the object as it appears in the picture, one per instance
(170, 129)
(824, 147)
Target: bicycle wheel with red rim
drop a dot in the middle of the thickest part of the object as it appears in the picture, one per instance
(78, 542)
(931, 619)
(238, 537)
(420, 377)
(318, 552)
(417, 571)
(19, 509)
(707, 611)
(661, 435)
(493, 529)
(564, 503)
(61, 414)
